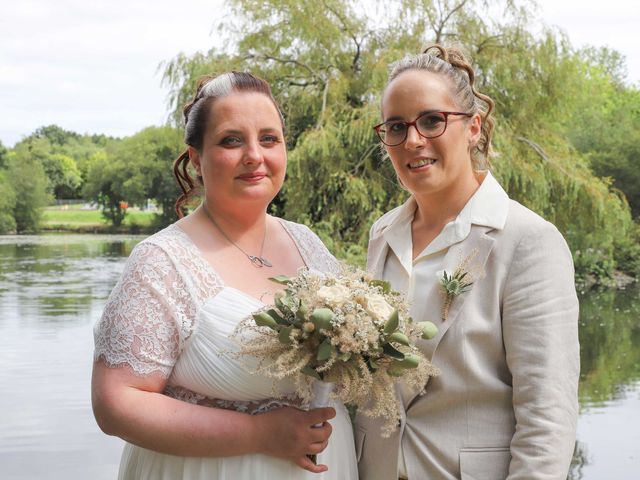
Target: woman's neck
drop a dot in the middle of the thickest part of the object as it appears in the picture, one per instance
(236, 222)
(437, 209)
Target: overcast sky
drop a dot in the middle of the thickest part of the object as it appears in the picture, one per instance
(92, 67)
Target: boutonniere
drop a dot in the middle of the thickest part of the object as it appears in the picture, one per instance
(459, 281)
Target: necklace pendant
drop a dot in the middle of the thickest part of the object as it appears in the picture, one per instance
(266, 262)
(259, 261)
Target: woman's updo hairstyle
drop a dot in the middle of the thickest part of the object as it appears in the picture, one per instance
(196, 115)
(452, 63)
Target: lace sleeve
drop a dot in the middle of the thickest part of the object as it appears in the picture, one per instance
(140, 325)
(314, 253)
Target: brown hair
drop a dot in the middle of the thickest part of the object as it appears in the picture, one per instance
(453, 64)
(196, 114)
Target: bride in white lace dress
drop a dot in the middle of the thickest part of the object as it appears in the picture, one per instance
(165, 377)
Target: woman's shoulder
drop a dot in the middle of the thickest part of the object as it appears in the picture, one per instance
(314, 252)
(168, 250)
(530, 230)
(523, 220)
(301, 233)
(167, 241)
(389, 218)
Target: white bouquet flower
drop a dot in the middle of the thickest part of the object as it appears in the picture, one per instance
(347, 335)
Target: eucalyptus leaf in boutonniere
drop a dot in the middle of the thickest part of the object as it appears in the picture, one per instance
(457, 282)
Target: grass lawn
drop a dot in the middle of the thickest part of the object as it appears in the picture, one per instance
(73, 217)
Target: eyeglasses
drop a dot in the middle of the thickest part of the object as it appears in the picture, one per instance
(428, 125)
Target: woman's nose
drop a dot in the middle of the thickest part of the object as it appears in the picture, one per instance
(414, 139)
(253, 153)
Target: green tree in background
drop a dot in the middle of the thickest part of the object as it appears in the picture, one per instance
(104, 186)
(605, 122)
(3, 155)
(64, 155)
(135, 170)
(327, 62)
(29, 183)
(7, 205)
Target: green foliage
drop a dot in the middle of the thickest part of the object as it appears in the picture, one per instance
(54, 134)
(104, 186)
(77, 218)
(7, 205)
(627, 251)
(135, 170)
(29, 183)
(3, 155)
(64, 155)
(609, 335)
(604, 124)
(327, 64)
(568, 127)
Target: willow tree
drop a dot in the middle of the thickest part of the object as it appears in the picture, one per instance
(327, 62)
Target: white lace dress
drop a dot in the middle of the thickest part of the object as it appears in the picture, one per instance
(171, 313)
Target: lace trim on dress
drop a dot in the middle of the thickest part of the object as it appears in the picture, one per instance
(314, 253)
(152, 309)
(252, 408)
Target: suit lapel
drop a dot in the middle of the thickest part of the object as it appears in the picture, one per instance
(482, 244)
(478, 244)
(477, 241)
(378, 248)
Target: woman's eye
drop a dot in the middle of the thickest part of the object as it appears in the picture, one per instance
(397, 127)
(430, 121)
(231, 141)
(270, 139)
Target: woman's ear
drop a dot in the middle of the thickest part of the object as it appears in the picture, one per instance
(474, 130)
(194, 158)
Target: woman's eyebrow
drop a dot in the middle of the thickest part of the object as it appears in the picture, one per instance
(423, 112)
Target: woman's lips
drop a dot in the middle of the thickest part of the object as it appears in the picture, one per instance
(252, 177)
(421, 164)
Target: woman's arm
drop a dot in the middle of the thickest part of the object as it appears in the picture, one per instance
(133, 408)
(540, 332)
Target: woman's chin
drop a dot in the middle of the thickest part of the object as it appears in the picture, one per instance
(421, 184)
(255, 194)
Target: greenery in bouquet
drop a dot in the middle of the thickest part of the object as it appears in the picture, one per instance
(346, 329)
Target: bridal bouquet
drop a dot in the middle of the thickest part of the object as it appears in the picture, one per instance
(347, 333)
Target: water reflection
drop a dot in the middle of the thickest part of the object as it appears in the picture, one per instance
(609, 386)
(52, 291)
(57, 278)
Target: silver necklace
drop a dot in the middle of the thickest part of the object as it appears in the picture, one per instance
(257, 260)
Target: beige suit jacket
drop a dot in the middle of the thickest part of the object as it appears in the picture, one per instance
(505, 404)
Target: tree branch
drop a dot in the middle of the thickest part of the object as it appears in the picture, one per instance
(442, 23)
(347, 30)
(324, 103)
(370, 149)
(485, 43)
(536, 148)
(283, 61)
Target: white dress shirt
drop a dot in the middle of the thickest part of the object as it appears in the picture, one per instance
(408, 275)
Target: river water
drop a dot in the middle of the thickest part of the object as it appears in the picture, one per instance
(53, 288)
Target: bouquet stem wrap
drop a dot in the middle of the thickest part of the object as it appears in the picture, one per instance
(321, 392)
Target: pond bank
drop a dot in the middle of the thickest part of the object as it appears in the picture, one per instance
(100, 229)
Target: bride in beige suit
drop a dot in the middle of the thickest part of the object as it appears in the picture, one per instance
(505, 404)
